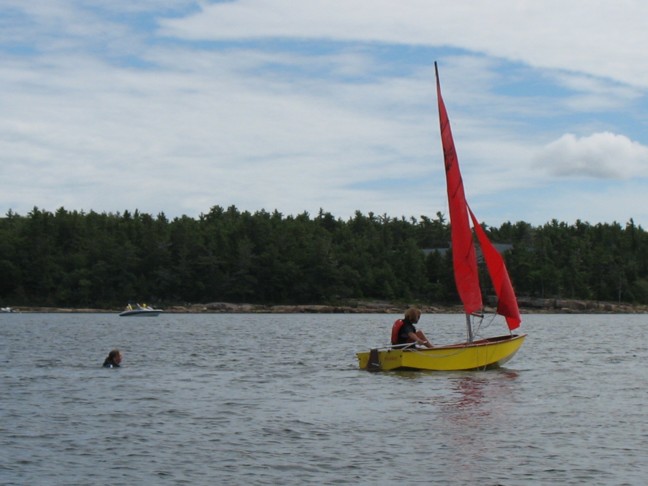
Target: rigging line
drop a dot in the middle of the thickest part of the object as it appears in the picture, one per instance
(484, 323)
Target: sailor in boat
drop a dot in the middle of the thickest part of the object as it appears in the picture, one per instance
(113, 360)
(404, 331)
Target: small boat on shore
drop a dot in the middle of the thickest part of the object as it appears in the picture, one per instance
(140, 310)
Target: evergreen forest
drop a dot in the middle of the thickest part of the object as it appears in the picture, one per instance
(104, 260)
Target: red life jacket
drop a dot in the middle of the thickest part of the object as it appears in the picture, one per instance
(396, 330)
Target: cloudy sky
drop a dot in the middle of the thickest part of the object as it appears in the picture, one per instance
(176, 106)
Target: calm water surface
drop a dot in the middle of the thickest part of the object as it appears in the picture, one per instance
(278, 399)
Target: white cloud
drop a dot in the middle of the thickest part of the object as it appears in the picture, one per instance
(600, 155)
(200, 128)
(99, 112)
(591, 36)
(594, 94)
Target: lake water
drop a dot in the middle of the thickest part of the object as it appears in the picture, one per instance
(278, 399)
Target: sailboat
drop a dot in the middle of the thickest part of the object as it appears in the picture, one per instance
(473, 354)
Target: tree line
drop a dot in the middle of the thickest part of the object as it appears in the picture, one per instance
(103, 260)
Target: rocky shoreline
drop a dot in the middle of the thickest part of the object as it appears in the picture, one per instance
(527, 306)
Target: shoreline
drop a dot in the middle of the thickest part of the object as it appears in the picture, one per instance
(527, 306)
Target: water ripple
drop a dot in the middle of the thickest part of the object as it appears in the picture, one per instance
(281, 401)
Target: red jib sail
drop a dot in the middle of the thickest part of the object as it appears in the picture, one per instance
(464, 258)
(506, 301)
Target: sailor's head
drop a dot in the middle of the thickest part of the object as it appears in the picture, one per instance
(413, 314)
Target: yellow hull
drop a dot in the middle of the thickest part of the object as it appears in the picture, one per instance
(482, 354)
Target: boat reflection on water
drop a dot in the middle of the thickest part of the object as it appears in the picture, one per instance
(473, 390)
(470, 399)
(469, 392)
(466, 413)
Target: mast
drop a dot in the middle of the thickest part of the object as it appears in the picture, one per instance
(470, 336)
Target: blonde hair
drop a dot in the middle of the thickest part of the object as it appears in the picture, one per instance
(412, 314)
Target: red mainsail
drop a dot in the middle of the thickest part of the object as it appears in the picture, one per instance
(464, 258)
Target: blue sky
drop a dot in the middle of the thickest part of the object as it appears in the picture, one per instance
(176, 106)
